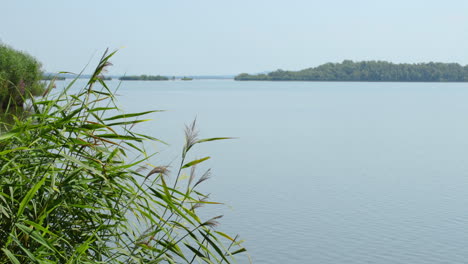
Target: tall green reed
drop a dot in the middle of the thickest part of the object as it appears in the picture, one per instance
(78, 186)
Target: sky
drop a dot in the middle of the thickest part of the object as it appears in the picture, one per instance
(225, 37)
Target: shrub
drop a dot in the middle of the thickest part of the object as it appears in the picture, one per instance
(20, 77)
(77, 186)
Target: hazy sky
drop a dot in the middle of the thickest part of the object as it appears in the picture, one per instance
(201, 37)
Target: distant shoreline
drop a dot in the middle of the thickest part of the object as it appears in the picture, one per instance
(144, 78)
(138, 78)
(368, 71)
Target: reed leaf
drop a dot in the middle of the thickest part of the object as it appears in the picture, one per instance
(194, 162)
(72, 191)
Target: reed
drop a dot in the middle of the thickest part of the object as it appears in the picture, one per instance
(77, 185)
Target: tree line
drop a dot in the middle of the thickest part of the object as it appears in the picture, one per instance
(372, 71)
(144, 78)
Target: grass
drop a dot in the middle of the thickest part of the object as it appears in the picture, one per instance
(78, 186)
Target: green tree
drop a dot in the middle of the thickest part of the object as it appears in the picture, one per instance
(373, 71)
(20, 77)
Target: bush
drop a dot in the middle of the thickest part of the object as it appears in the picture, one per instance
(70, 194)
(20, 77)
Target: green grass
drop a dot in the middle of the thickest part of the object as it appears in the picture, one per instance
(78, 186)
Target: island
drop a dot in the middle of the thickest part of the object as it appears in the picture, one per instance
(144, 78)
(370, 71)
(186, 79)
(52, 77)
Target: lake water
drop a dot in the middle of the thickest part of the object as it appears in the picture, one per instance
(330, 172)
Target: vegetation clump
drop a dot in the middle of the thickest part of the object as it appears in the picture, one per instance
(371, 71)
(20, 77)
(78, 186)
(144, 78)
(50, 77)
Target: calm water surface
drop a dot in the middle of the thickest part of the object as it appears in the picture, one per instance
(326, 172)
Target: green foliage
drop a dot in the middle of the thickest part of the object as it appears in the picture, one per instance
(20, 77)
(374, 71)
(52, 77)
(144, 78)
(77, 186)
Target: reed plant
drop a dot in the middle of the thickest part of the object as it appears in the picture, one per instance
(77, 185)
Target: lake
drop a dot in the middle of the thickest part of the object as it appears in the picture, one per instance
(330, 172)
